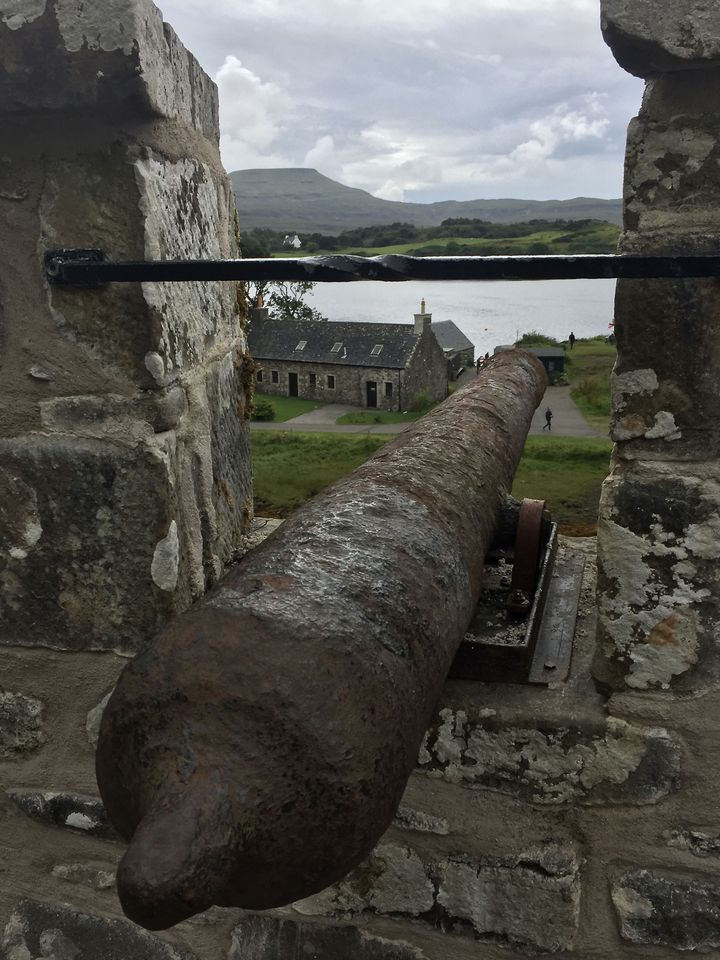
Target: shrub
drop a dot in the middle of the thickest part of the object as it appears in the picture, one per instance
(419, 402)
(590, 389)
(262, 409)
(533, 338)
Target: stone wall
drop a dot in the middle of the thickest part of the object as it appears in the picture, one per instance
(350, 382)
(124, 460)
(658, 545)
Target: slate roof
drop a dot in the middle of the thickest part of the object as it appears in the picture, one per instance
(450, 336)
(279, 339)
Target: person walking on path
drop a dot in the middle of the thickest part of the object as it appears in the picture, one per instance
(548, 419)
(571, 339)
(478, 364)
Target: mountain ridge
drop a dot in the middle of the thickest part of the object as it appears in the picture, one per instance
(302, 199)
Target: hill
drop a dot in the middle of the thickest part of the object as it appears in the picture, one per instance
(299, 199)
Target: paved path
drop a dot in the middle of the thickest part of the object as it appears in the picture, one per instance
(567, 419)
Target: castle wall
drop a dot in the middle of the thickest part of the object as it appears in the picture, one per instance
(125, 481)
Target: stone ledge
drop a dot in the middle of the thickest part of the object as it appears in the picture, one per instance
(648, 37)
(64, 55)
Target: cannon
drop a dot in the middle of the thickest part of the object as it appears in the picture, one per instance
(257, 749)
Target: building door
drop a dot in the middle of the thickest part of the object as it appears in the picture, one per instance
(292, 385)
(371, 393)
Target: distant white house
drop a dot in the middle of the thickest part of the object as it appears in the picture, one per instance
(292, 240)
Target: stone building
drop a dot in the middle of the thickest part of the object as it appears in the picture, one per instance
(459, 351)
(382, 366)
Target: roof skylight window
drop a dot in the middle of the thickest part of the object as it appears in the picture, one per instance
(376, 350)
(336, 347)
(301, 345)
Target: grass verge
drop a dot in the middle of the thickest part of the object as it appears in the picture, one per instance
(289, 468)
(371, 417)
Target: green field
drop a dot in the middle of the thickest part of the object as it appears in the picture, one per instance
(289, 468)
(599, 237)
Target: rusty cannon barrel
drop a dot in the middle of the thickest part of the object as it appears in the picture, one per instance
(256, 751)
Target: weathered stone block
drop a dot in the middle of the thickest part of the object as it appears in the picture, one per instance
(658, 594)
(267, 938)
(228, 391)
(532, 899)
(97, 876)
(64, 809)
(135, 205)
(21, 725)
(653, 36)
(56, 930)
(392, 880)
(529, 899)
(668, 909)
(665, 402)
(65, 55)
(613, 763)
(700, 841)
(408, 819)
(91, 516)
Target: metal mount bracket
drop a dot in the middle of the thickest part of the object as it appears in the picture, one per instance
(55, 259)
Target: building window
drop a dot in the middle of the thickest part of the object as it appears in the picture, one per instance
(258, 376)
(331, 382)
(274, 376)
(388, 388)
(336, 347)
(376, 350)
(313, 380)
(301, 346)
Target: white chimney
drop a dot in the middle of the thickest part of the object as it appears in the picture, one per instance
(422, 320)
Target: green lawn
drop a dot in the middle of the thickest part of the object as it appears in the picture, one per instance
(289, 468)
(288, 407)
(568, 473)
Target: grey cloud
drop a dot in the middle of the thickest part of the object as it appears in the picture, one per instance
(433, 99)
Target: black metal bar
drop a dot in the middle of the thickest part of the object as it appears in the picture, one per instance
(89, 267)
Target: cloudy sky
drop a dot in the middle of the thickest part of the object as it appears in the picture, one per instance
(418, 99)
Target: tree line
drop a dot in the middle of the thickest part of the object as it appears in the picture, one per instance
(262, 242)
